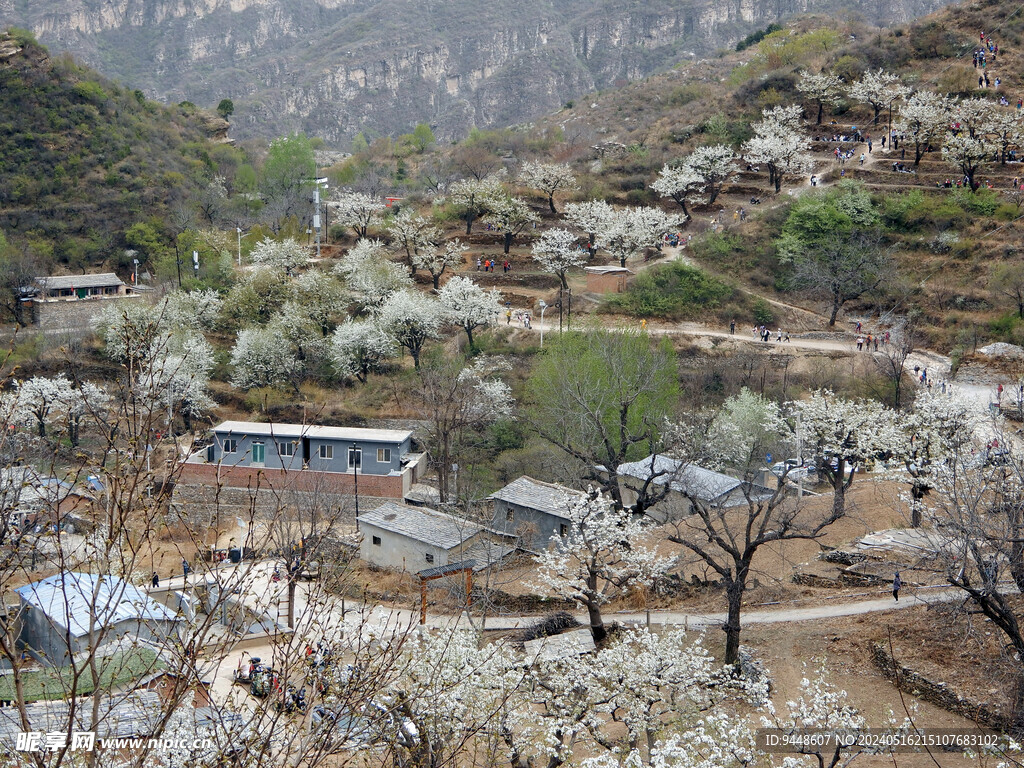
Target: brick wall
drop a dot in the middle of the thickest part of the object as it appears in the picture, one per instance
(303, 480)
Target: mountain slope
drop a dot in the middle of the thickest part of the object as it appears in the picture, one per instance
(336, 67)
(81, 158)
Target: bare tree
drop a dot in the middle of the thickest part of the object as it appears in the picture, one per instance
(892, 361)
(726, 532)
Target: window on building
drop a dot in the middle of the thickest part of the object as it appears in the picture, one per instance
(326, 451)
(563, 530)
(287, 448)
(376, 541)
(383, 455)
(355, 458)
(430, 558)
(510, 515)
(259, 452)
(230, 445)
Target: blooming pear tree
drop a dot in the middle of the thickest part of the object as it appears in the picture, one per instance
(510, 216)
(359, 348)
(199, 310)
(821, 706)
(601, 554)
(287, 254)
(548, 178)
(475, 196)
(317, 296)
(632, 230)
(370, 273)
(740, 434)
(180, 375)
(357, 210)
(413, 233)
(823, 88)
(879, 89)
(41, 400)
(469, 306)
(659, 691)
(679, 182)
(260, 359)
(969, 154)
(931, 436)
(924, 119)
(843, 435)
(436, 260)
(589, 217)
(715, 165)
(779, 142)
(455, 401)
(411, 319)
(557, 251)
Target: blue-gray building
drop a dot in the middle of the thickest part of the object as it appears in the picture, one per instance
(307, 446)
(297, 454)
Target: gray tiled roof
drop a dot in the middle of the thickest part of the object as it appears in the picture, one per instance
(57, 282)
(705, 484)
(69, 599)
(421, 524)
(533, 494)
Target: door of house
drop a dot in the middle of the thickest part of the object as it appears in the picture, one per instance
(82, 292)
(258, 453)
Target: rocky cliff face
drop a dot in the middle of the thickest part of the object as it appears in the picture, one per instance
(335, 67)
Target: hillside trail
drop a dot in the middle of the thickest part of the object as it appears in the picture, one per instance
(909, 598)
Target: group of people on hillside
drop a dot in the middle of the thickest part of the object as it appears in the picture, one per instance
(764, 333)
(487, 265)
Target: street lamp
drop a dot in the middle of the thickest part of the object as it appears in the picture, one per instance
(135, 279)
(543, 305)
(240, 236)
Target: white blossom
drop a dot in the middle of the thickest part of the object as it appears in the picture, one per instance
(359, 347)
(824, 88)
(602, 552)
(549, 178)
(287, 254)
(411, 319)
(436, 260)
(468, 305)
(193, 309)
(356, 210)
(779, 142)
(260, 359)
(557, 251)
(369, 272)
(879, 89)
(632, 230)
(589, 217)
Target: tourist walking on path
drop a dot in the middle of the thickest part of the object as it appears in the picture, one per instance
(897, 583)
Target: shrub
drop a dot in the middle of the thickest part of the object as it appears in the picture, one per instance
(762, 312)
(672, 291)
(756, 37)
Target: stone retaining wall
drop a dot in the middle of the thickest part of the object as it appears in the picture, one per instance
(939, 694)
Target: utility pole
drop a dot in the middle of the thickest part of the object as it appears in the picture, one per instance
(316, 215)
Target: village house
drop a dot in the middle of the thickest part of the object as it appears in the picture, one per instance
(71, 302)
(532, 510)
(69, 612)
(414, 539)
(712, 488)
(376, 462)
